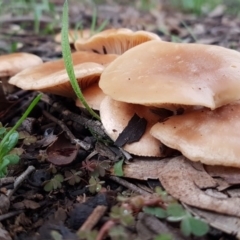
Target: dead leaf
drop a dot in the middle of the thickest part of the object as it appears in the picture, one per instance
(62, 152)
(4, 235)
(146, 168)
(132, 132)
(229, 174)
(178, 178)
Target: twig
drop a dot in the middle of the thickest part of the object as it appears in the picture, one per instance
(129, 185)
(7, 180)
(82, 144)
(19, 180)
(93, 219)
(9, 214)
(93, 125)
(105, 229)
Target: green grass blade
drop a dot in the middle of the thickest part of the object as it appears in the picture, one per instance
(66, 52)
(19, 122)
(94, 20)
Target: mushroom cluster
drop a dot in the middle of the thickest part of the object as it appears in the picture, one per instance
(93, 54)
(202, 80)
(188, 94)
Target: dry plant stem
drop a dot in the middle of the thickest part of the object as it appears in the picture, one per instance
(129, 186)
(19, 180)
(9, 214)
(93, 219)
(94, 125)
(7, 180)
(105, 229)
(82, 144)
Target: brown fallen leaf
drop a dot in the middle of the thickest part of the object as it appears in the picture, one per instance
(178, 178)
(184, 182)
(146, 168)
(62, 152)
(229, 174)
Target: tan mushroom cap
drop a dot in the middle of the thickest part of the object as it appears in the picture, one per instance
(48, 76)
(11, 64)
(211, 137)
(73, 35)
(115, 117)
(58, 82)
(157, 72)
(93, 96)
(115, 41)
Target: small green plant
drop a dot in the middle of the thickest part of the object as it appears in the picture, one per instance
(122, 216)
(88, 235)
(95, 185)
(118, 168)
(66, 52)
(9, 140)
(72, 176)
(163, 237)
(176, 213)
(118, 233)
(54, 183)
(195, 6)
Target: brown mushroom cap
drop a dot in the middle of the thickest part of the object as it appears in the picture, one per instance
(58, 81)
(115, 41)
(157, 72)
(73, 35)
(48, 76)
(93, 96)
(11, 64)
(115, 117)
(211, 137)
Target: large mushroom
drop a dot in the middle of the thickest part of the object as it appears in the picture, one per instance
(157, 73)
(51, 77)
(211, 137)
(114, 41)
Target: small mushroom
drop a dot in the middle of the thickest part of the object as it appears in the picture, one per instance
(73, 35)
(157, 73)
(115, 117)
(11, 64)
(211, 137)
(115, 41)
(51, 77)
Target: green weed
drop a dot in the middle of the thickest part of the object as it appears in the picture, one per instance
(9, 140)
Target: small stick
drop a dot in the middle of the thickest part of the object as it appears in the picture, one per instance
(82, 144)
(129, 185)
(19, 180)
(7, 180)
(105, 229)
(93, 219)
(93, 125)
(9, 214)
